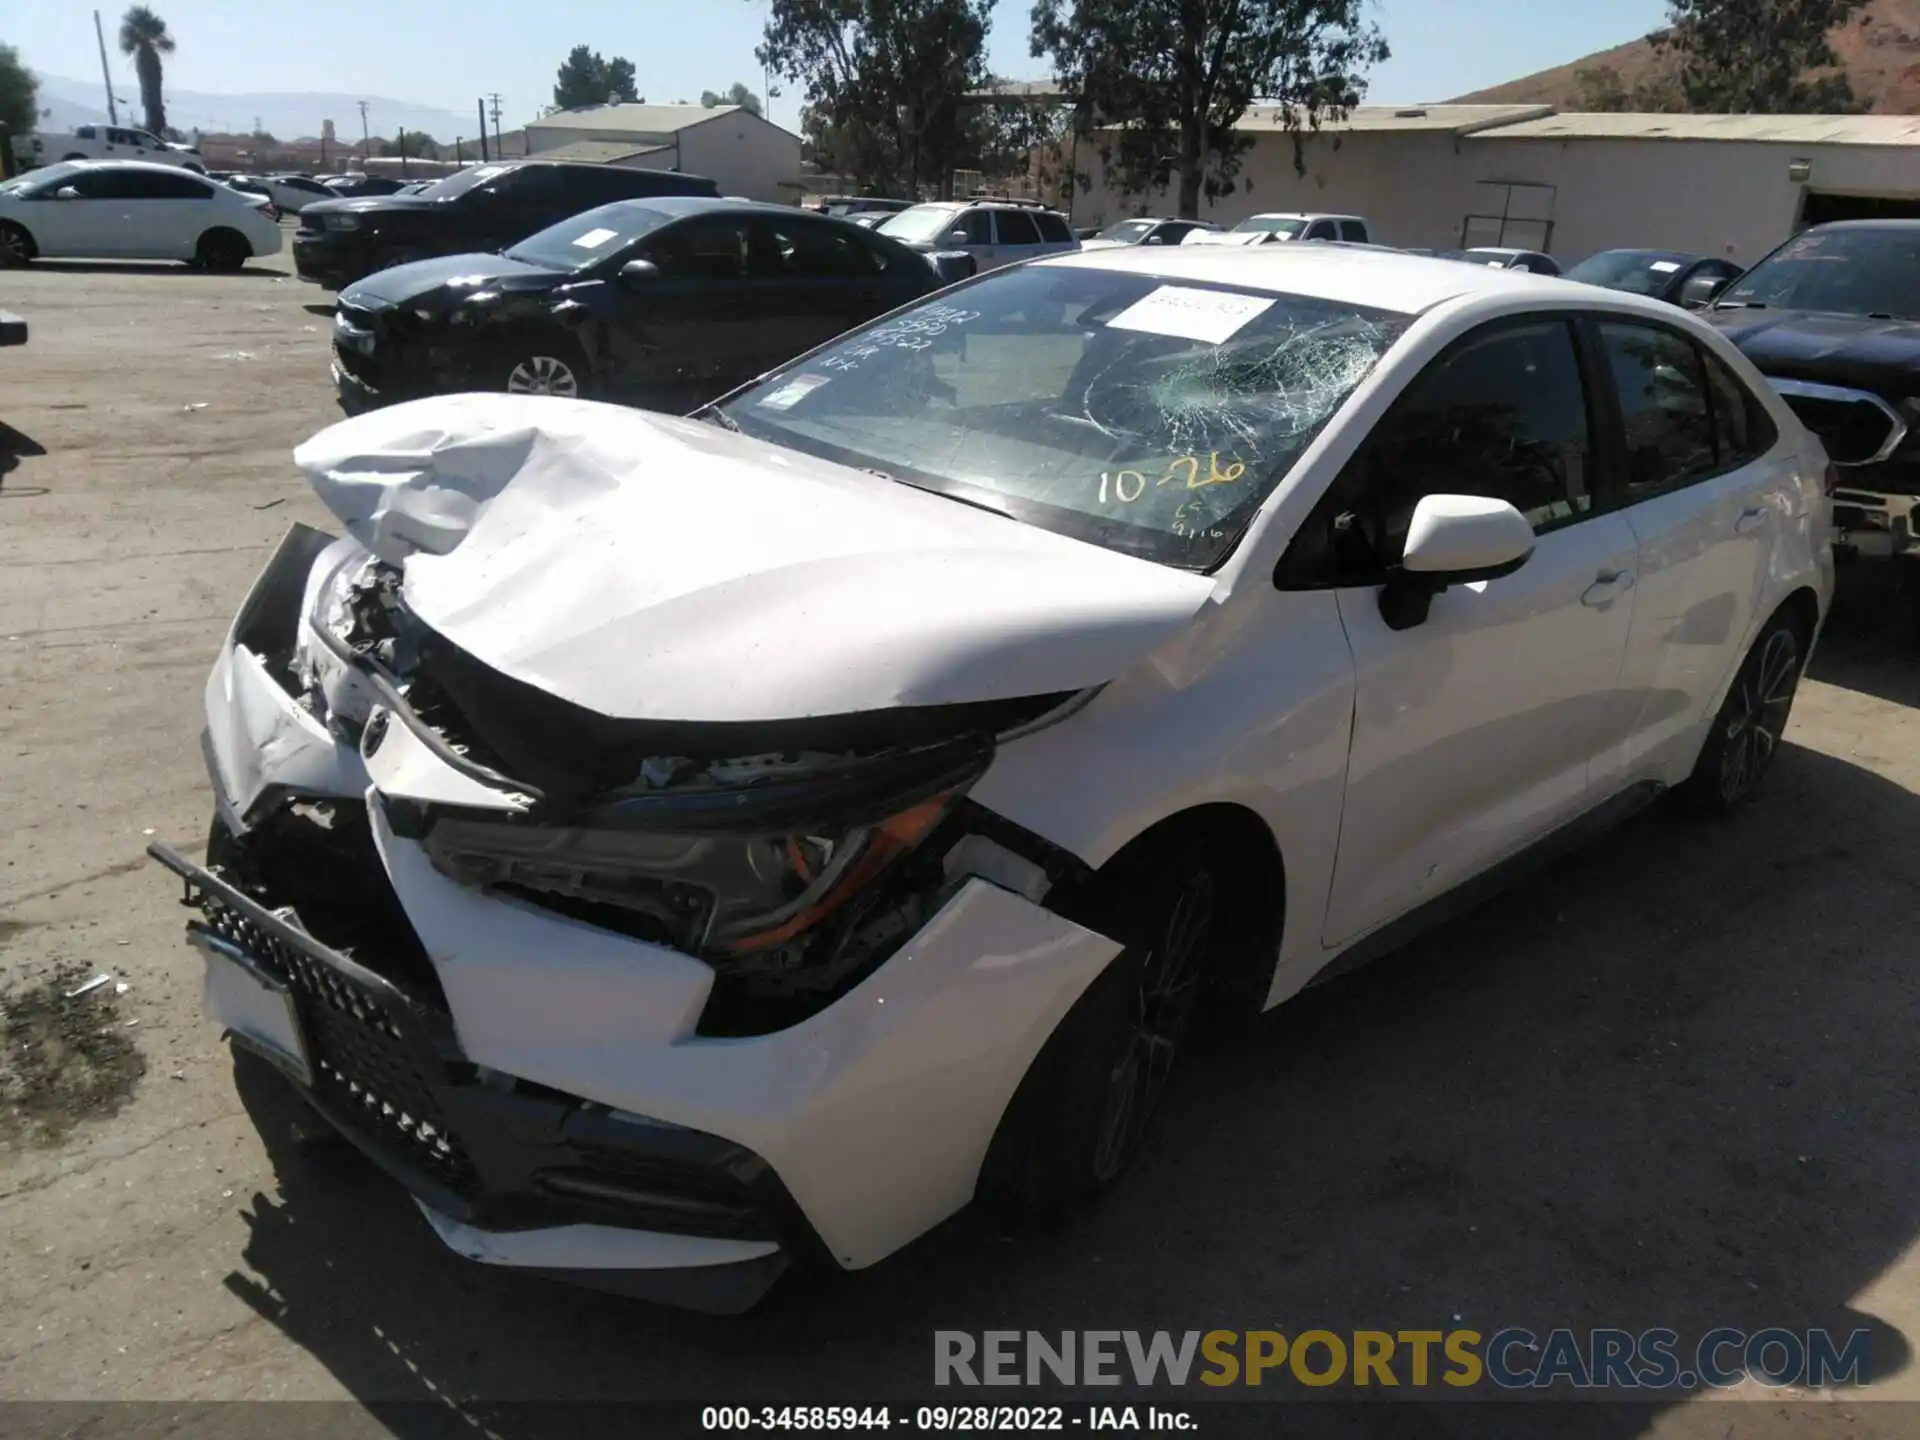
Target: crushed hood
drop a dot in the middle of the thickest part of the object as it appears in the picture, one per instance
(646, 567)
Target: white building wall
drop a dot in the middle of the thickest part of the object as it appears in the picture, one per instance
(744, 155)
(1711, 197)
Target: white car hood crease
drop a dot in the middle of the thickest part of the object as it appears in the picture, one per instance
(647, 567)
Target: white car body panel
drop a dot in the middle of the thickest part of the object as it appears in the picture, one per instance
(905, 598)
(1389, 766)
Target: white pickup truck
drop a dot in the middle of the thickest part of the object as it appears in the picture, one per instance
(104, 142)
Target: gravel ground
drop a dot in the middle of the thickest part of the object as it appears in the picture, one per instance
(1671, 1081)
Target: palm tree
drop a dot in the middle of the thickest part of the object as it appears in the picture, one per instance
(143, 35)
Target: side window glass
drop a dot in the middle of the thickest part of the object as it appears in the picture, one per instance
(813, 251)
(979, 227)
(702, 250)
(1663, 407)
(1503, 414)
(1353, 230)
(1053, 229)
(84, 132)
(1741, 429)
(1017, 228)
(1319, 230)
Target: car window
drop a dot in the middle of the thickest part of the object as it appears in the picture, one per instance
(1742, 429)
(122, 137)
(1354, 230)
(1053, 228)
(1147, 417)
(1869, 271)
(1663, 407)
(1319, 230)
(1016, 228)
(709, 248)
(920, 224)
(1501, 414)
(979, 227)
(84, 132)
(809, 250)
(93, 185)
(150, 186)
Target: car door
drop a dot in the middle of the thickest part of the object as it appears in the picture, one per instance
(92, 221)
(167, 212)
(1704, 500)
(1016, 237)
(690, 330)
(1475, 731)
(828, 279)
(978, 228)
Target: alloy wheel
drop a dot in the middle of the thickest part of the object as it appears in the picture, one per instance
(543, 375)
(1163, 1004)
(1757, 715)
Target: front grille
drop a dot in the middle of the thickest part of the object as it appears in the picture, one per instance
(376, 1065)
(1855, 427)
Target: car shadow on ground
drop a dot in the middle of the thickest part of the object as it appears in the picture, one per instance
(1668, 1081)
(318, 309)
(16, 446)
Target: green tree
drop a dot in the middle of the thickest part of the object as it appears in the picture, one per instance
(885, 81)
(417, 145)
(19, 93)
(145, 37)
(1161, 85)
(1734, 57)
(584, 78)
(734, 94)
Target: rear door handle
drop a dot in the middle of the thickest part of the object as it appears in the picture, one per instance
(1607, 587)
(1751, 519)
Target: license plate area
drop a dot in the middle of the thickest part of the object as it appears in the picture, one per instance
(255, 1008)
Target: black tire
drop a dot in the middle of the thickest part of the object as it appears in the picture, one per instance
(223, 250)
(16, 246)
(1084, 1107)
(539, 365)
(1746, 733)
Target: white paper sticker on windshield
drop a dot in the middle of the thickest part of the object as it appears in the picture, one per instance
(793, 392)
(1664, 267)
(594, 239)
(1189, 314)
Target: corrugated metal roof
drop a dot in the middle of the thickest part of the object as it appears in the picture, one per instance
(1774, 129)
(634, 119)
(1453, 119)
(604, 152)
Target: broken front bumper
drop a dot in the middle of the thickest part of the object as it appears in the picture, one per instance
(572, 1110)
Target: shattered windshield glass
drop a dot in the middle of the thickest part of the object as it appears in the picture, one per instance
(1148, 417)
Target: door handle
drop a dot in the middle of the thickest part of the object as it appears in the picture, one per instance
(1751, 519)
(1607, 587)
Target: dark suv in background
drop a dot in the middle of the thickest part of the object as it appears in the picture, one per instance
(484, 208)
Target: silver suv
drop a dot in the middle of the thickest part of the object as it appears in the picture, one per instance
(993, 232)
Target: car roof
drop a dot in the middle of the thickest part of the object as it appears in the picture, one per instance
(1354, 275)
(127, 165)
(682, 205)
(1299, 215)
(1650, 255)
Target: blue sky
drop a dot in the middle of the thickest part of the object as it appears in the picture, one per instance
(445, 52)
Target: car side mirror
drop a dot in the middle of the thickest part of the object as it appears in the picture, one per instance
(639, 272)
(1155, 240)
(1702, 290)
(956, 237)
(66, 192)
(1453, 540)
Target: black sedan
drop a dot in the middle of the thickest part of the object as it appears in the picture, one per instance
(665, 302)
(1670, 275)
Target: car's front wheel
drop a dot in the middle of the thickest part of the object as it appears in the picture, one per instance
(1747, 732)
(1082, 1112)
(541, 368)
(16, 246)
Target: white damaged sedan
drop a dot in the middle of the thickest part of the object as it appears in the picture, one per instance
(676, 848)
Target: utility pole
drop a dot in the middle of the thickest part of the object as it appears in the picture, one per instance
(497, 143)
(481, 107)
(366, 139)
(106, 75)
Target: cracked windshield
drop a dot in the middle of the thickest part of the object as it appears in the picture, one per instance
(1146, 416)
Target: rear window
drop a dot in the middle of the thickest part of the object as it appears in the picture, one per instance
(1053, 228)
(1016, 228)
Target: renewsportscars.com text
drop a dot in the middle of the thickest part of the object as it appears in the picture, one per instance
(1509, 1359)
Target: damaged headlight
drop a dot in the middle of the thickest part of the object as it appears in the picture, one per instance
(705, 894)
(714, 869)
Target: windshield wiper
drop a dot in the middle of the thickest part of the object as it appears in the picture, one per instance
(1740, 305)
(943, 494)
(714, 416)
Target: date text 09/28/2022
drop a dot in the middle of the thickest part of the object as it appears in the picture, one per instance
(946, 1418)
